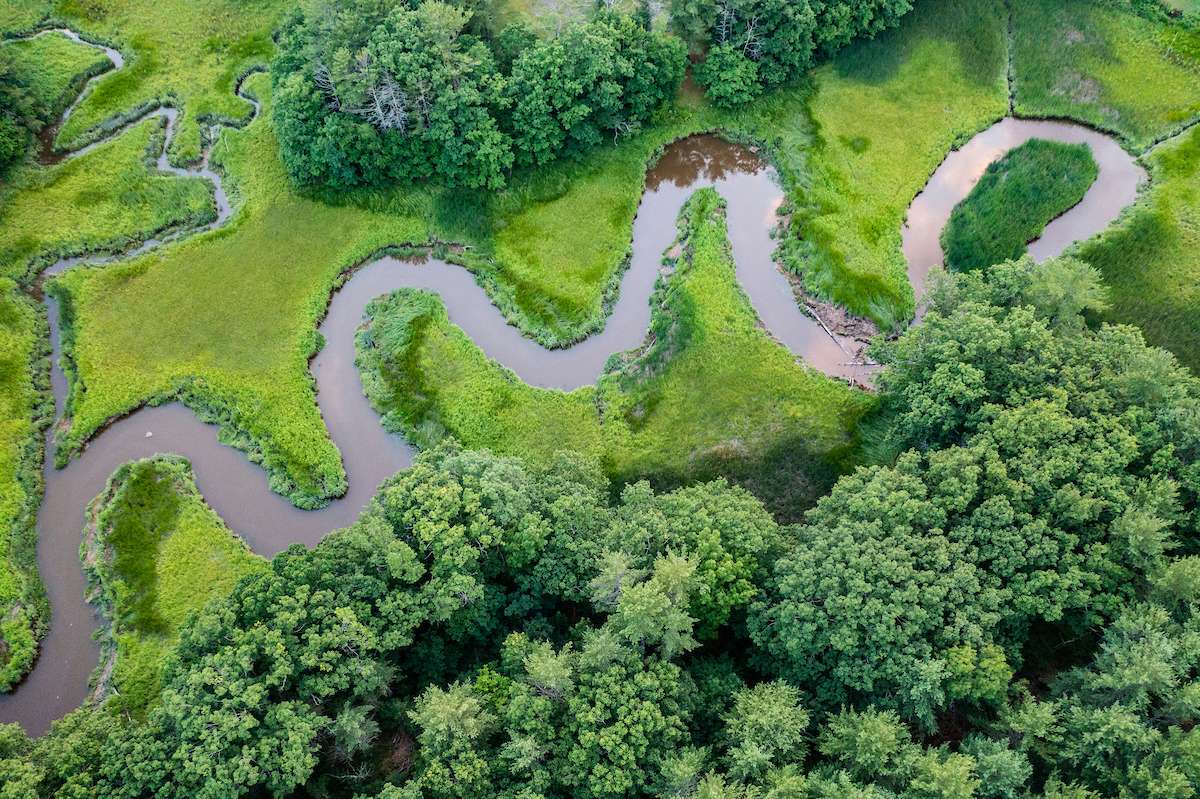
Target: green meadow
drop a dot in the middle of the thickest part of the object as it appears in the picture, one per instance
(1150, 259)
(939, 78)
(156, 554)
(1107, 67)
(103, 201)
(1137, 75)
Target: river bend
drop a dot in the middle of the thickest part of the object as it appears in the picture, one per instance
(238, 490)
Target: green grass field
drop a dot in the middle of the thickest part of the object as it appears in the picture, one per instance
(23, 416)
(19, 16)
(106, 200)
(886, 112)
(1138, 76)
(54, 68)
(1186, 7)
(187, 54)
(158, 553)
(556, 276)
(1113, 69)
(761, 411)
(1151, 258)
(1014, 200)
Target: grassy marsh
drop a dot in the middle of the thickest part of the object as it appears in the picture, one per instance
(157, 554)
(105, 200)
(186, 54)
(1114, 69)
(760, 408)
(240, 357)
(885, 113)
(1150, 259)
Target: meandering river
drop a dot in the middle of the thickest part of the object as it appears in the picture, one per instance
(238, 489)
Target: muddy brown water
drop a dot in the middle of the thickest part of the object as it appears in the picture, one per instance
(238, 490)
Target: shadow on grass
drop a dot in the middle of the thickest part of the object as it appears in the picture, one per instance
(878, 61)
(788, 477)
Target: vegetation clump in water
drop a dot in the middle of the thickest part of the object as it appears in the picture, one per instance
(1014, 200)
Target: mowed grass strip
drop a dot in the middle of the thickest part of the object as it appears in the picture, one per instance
(1150, 259)
(157, 554)
(885, 114)
(714, 395)
(1015, 199)
(1111, 68)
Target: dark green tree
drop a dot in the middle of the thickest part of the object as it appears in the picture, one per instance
(595, 83)
(1048, 470)
(779, 37)
(729, 77)
(20, 113)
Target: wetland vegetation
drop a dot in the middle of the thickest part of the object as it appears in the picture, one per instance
(1011, 204)
(720, 569)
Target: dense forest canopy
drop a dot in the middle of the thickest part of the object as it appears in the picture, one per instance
(374, 92)
(752, 45)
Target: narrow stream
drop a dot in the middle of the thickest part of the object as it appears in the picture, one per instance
(238, 490)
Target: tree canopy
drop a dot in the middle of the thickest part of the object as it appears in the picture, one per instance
(21, 114)
(370, 92)
(1041, 479)
(756, 44)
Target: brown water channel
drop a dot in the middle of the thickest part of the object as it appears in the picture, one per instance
(238, 490)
